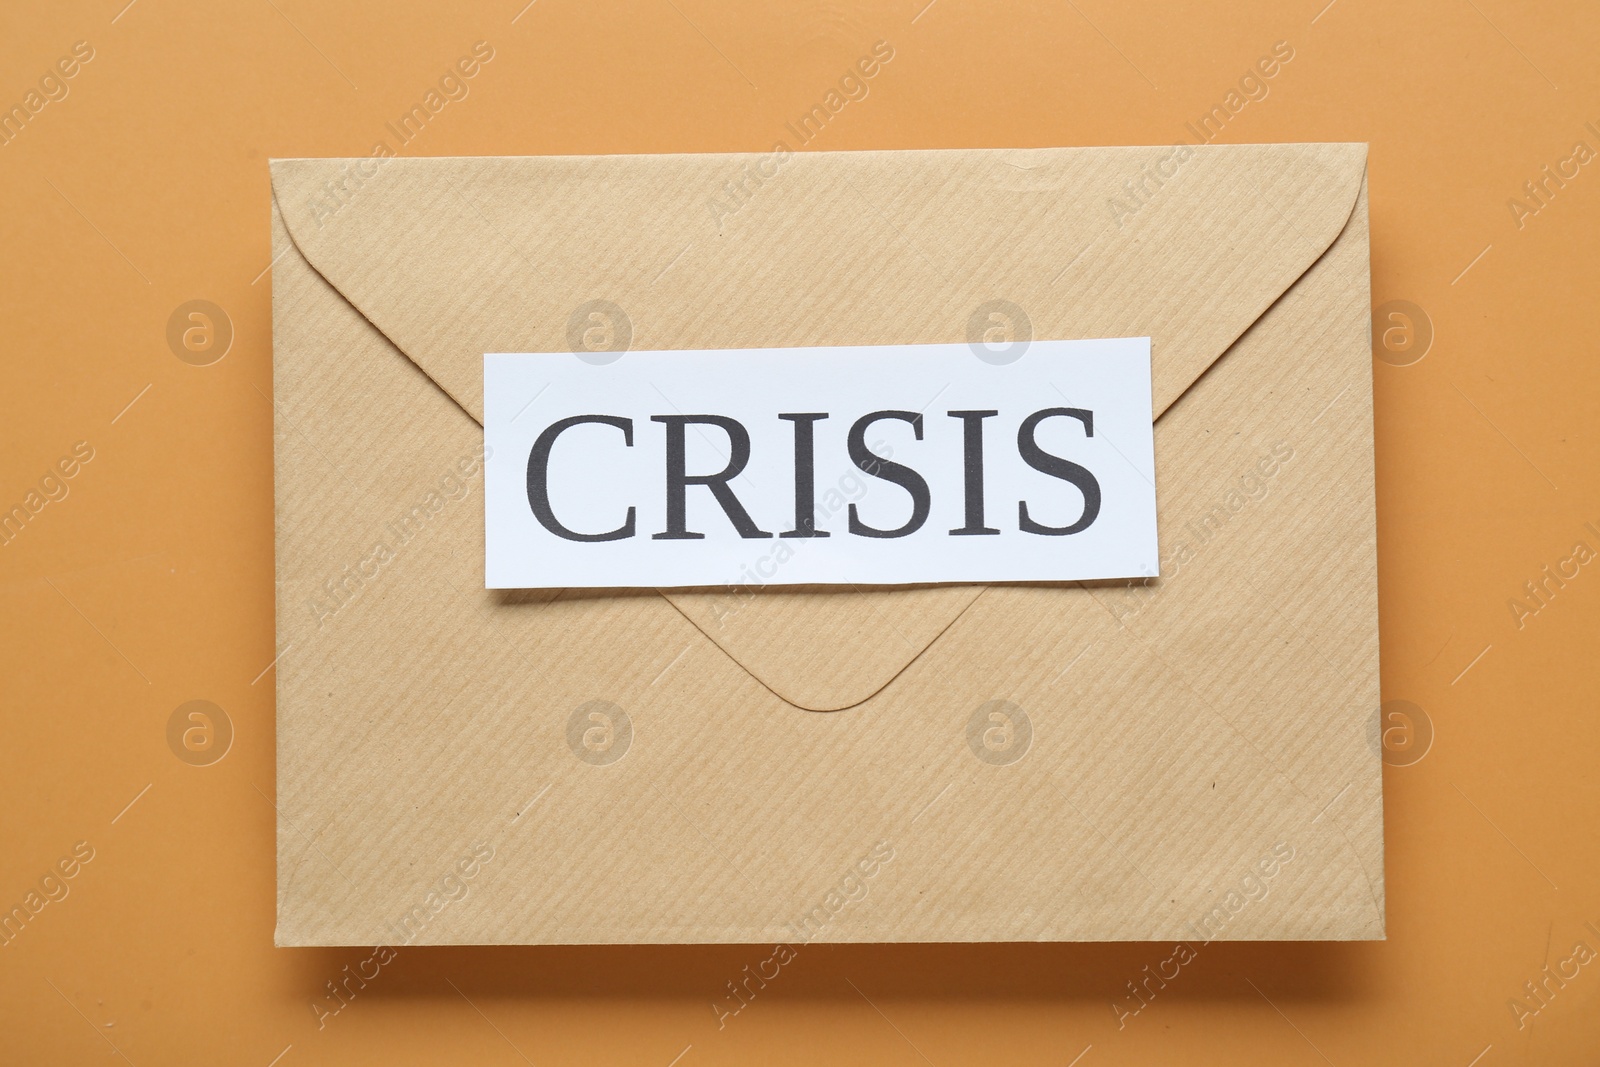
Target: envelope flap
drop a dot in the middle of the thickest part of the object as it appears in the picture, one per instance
(452, 258)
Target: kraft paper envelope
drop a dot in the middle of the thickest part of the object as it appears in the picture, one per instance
(1191, 758)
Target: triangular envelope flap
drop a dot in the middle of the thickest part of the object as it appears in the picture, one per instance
(452, 258)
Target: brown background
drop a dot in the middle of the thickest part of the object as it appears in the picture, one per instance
(150, 584)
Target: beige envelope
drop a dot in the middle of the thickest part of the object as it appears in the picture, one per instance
(1191, 758)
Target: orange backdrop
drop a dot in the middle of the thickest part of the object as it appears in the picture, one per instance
(143, 580)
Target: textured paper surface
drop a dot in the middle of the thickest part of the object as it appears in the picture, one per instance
(1179, 751)
(969, 463)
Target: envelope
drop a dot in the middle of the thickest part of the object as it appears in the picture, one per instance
(1189, 758)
